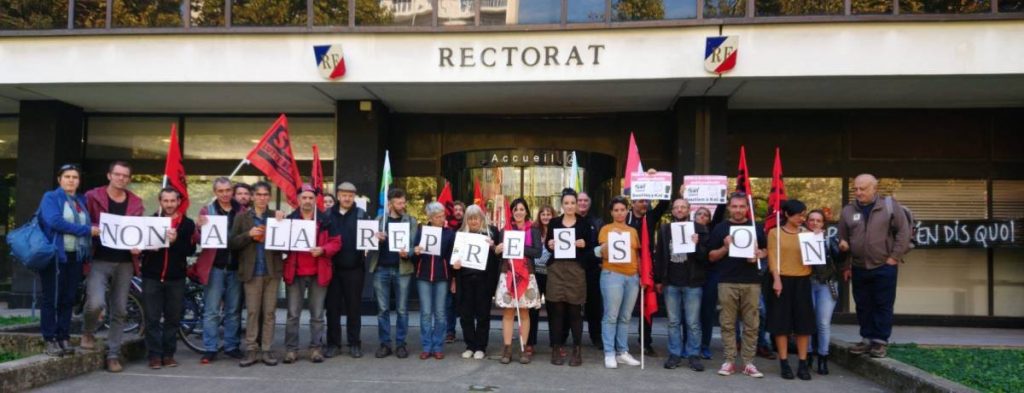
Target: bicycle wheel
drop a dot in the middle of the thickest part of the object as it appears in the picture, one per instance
(190, 330)
(135, 315)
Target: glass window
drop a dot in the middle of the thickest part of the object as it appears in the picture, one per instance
(147, 13)
(455, 12)
(1007, 199)
(544, 184)
(207, 13)
(871, 6)
(816, 192)
(232, 138)
(942, 199)
(90, 14)
(35, 14)
(945, 282)
(394, 13)
(330, 12)
(680, 9)
(268, 12)
(798, 7)
(128, 137)
(633, 10)
(1011, 5)
(1008, 274)
(528, 12)
(495, 12)
(944, 6)
(586, 11)
(419, 190)
(9, 137)
(725, 8)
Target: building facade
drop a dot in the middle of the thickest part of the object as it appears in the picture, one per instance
(927, 95)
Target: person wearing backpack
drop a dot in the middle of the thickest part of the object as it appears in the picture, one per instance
(65, 220)
(876, 232)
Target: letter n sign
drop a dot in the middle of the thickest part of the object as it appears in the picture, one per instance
(720, 53)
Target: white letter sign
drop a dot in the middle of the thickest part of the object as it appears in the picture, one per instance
(682, 232)
(565, 243)
(744, 241)
(619, 247)
(290, 235)
(430, 240)
(366, 235)
(215, 233)
(812, 248)
(398, 236)
(128, 232)
(515, 245)
(471, 250)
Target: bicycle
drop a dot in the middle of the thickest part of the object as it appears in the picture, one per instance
(135, 315)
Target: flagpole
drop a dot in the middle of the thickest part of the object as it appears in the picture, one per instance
(750, 201)
(519, 315)
(778, 241)
(643, 318)
(237, 168)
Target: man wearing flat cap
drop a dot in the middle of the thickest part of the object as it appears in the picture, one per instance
(345, 292)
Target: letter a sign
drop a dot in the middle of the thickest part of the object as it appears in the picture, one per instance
(720, 53)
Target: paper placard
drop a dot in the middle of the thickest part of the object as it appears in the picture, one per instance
(128, 232)
(515, 244)
(215, 233)
(430, 240)
(565, 243)
(290, 235)
(705, 190)
(682, 233)
(619, 247)
(471, 250)
(398, 236)
(744, 241)
(812, 248)
(361, 202)
(366, 235)
(651, 187)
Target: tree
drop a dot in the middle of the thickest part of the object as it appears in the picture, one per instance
(631, 10)
(147, 13)
(33, 14)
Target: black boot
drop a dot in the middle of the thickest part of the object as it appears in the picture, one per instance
(823, 365)
(803, 372)
(810, 360)
(787, 372)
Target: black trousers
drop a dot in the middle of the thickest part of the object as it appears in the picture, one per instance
(564, 317)
(345, 295)
(542, 282)
(474, 311)
(593, 309)
(162, 300)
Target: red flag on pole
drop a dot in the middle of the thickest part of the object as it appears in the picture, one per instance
(478, 197)
(743, 175)
(174, 170)
(508, 216)
(273, 156)
(777, 195)
(445, 199)
(633, 164)
(647, 275)
(318, 179)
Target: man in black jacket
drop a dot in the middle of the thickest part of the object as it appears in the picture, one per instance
(593, 309)
(680, 278)
(163, 282)
(346, 290)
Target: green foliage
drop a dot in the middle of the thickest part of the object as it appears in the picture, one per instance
(268, 13)
(17, 320)
(9, 356)
(631, 10)
(90, 14)
(33, 14)
(207, 13)
(147, 13)
(988, 370)
(370, 12)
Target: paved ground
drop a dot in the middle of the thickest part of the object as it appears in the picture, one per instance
(945, 336)
(452, 374)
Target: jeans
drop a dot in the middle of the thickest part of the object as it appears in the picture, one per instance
(619, 293)
(345, 295)
(118, 277)
(449, 310)
(874, 291)
(57, 299)
(296, 294)
(680, 301)
(433, 296)
(708, 310)
(223, 286)
(260, 304)
(386, 279)
(824, 304)
(162, 300)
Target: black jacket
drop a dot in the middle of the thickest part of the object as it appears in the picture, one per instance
(168, 264)
(345, 225)
(434, 268)
(692, 272)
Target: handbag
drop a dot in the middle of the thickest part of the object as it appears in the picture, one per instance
(30, 246)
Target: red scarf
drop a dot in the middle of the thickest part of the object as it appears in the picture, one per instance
(522, 275)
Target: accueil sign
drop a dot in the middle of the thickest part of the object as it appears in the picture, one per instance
(519, 56)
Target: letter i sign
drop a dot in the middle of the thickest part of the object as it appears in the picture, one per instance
(720, 53)
(329, 61)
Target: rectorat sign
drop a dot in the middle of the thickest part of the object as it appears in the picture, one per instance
(516, 56)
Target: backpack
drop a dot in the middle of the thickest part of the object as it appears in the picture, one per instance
(30, 246)
(910, 221)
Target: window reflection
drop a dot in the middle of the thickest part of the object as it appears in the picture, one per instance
(871, 6)
(634, 10)
(394, 13)
(725, 8)
(585, 11)
(32, 15)
(419, 191)
(1011, 5)
(128, 137)
(798, 7)
(455, 12)
(9, 137)
(268, 12)
(232, 138)
(147, 13)
(90, 14)
(944, 6)
(330, 12)
(206, 13)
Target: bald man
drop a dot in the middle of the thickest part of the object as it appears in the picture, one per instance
(876, 233)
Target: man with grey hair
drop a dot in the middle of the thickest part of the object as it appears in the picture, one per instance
(876, 233)
(217, 270)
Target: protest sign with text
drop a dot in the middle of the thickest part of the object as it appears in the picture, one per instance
(515, 244)
(682, 234)
(430, 240)
(215, 233)
(131, 232)
(471, 250)
(366, 235)
(619, 247)
(744, 241)
(565, 243)
(290, 235)
(812, 248)
(657, 186)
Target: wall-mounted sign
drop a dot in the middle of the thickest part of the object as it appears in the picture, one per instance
(967, 234)
(519, 56)
(330, 61)
(720, 53)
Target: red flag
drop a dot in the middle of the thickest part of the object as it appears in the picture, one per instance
(508, 216)
(445, 199)
(647, 275)
(743, 175)
(273, 156)
(777, 195)
(318, 179)
(478, 197)
(632, 163)
(174, 170)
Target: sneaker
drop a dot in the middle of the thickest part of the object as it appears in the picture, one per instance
(695, 364)
(860, 348)
(467, 354)
(610, 362)
(66, 347)
(315, 356)
(879, 350)
(479, 355)
(235, 354)
(169, 362)
(88, 342)
(269, 358)
(401, 352)
(450, 338)
(752, 371)
(290, 357)
(155, 364)
(627, 359)
(249, 359)
(114, 365)
(355, 351)
(53, 349)
(331, 351)
(727, 369)
(383, 352)
(672, 362)
(207, 357)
